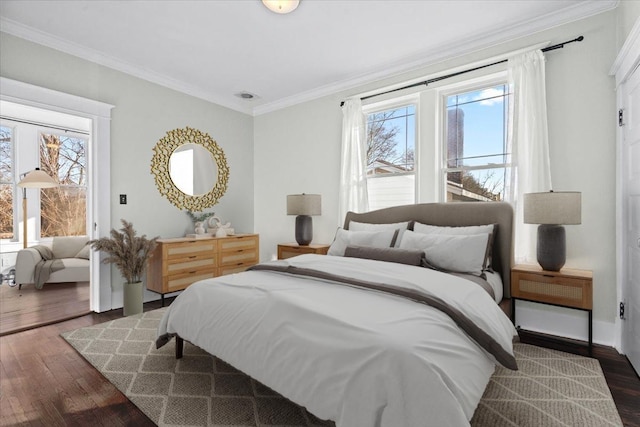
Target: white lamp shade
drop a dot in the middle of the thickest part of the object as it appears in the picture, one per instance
(554, 207)
(37, 179)
(281, 6)
(304, 204)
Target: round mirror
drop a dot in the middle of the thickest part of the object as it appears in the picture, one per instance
(190, 169)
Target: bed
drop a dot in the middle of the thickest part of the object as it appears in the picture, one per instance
(358, 339)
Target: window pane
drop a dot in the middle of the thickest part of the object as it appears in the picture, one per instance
(391, 143)
(6, 183)
(476, 131)
(478, 185)
(63, 209)
(391, 136)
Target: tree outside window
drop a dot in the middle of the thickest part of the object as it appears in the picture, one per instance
(6, 183)
(391, 142)
(63, 209)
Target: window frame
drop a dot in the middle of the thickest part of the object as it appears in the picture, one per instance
(470, 85)
(14, 181)
(390, 104)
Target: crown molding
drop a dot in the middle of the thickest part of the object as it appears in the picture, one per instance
(628, 59)
(459, 48)
(36, 36)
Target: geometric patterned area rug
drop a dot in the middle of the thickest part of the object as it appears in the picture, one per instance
(551, 388)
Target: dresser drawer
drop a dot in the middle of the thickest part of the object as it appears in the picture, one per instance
(190, 248)
(190, 263)
(178, 282)
(238, 251)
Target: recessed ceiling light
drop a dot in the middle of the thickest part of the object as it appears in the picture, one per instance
(246, 95)
(281, 6)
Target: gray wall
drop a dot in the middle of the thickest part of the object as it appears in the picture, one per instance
(297, 149)
(143, 113)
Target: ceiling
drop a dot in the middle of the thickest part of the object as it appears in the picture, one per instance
(218, 48)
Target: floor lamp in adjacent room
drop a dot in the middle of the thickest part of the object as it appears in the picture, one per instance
(34, 179)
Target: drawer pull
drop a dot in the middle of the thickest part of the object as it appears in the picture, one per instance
(192, 256)
(548, 275)
(193, 272)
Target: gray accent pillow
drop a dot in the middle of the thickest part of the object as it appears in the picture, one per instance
(400, 256)
(85, 252)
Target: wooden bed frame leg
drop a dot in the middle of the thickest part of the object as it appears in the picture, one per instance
(179, 347)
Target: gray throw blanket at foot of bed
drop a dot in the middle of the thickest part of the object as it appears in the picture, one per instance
(46, 266)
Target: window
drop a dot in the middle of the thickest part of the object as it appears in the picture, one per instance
(6, 182)
(391, 146)
(476, 159)
(63, 209)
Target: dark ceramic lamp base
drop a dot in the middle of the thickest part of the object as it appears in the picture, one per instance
(304, 230)
(552, 247)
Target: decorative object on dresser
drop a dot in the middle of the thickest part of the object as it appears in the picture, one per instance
(34, 179)
(190, 169)
(304, 205)
(552, 210)
(129, 253)
(569, 288)
(288, 250)
(179, 262)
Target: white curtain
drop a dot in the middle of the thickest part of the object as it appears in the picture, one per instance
(353, 174)
(529, 140)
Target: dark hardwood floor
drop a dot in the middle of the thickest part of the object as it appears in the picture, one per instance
(26, 308)
(44, 381)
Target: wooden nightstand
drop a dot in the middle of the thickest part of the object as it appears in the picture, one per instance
(569, 288)
(288, 250)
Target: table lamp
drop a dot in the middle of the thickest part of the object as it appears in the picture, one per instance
(552, 210)
(304, 205)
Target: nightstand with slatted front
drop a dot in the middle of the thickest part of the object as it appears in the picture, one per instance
(569, 288)
(288, 250)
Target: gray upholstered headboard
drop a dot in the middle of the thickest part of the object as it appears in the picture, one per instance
(456, 215)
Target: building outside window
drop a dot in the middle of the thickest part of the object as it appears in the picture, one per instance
(476, 159)
(391, 151)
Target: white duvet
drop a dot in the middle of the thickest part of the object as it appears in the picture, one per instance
(358, 357)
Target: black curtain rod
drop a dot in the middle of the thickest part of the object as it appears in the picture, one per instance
(447, 76)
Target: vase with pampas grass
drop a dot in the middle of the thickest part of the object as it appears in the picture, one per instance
(129, 252)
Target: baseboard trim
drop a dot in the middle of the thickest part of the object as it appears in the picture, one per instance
(563, 322)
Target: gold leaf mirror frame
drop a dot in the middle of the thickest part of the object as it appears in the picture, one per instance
(160, 169)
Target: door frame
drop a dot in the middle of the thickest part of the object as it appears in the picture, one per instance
(99, 210)
(626, 62)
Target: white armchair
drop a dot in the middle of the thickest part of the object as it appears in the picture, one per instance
(72, 251)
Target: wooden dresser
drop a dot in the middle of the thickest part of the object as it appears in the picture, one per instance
(177, 263)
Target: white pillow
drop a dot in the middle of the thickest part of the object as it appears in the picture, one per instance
(376, 239)
(363, 226)
(434, 229)
(455, 253)
(466, 230)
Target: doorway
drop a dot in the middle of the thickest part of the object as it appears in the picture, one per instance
(627, 72)
(98, 158)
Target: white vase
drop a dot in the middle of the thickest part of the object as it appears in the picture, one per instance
(132, 298)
